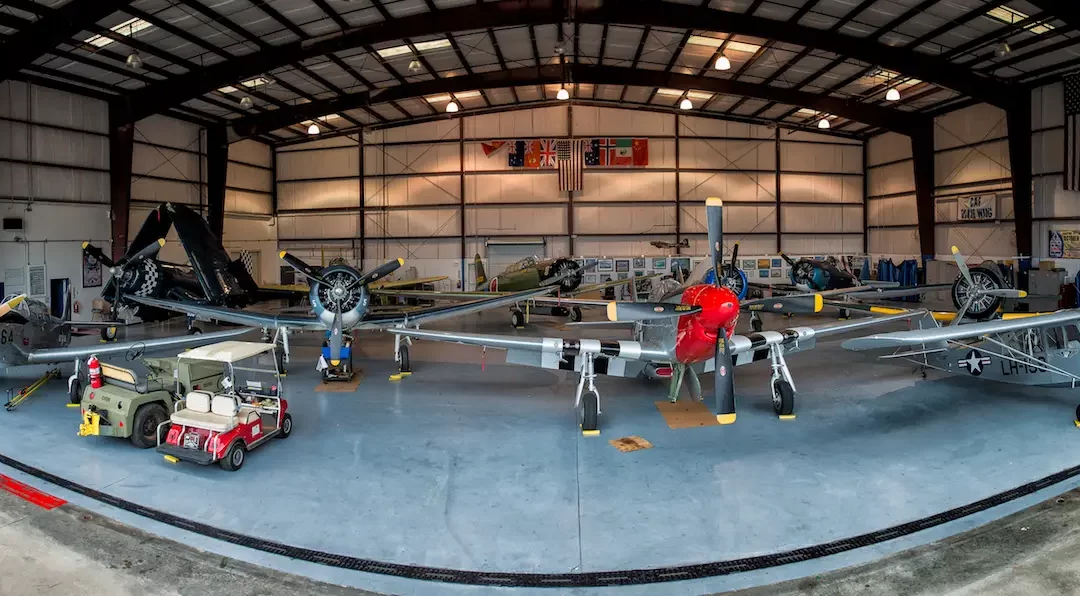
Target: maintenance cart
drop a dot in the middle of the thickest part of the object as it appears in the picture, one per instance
(208, 427)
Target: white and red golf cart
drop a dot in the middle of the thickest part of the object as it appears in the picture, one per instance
(209, 427)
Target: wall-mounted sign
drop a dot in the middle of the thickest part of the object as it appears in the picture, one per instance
(976, 208)
(1064, 244)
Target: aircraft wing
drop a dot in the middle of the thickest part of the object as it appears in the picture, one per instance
(232, 315)
(434, 313)
(436, 294)
(401, 283)
(971, 330)
(150, 345)
(610, 284)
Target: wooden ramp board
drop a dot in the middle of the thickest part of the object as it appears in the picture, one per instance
(341, 386)
(631, 443)
(686, 414)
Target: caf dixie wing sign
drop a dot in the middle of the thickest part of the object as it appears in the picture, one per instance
(976, 208)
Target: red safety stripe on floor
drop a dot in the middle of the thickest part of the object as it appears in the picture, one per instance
(29, 493)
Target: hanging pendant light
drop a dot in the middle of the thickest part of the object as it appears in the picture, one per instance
(823, 123)
(685, 104)
(246, 103)
(722, 63)
(562, 94)
(415, 67)
(134, 60)
(313, 129)
(893, 94)
(452, 107)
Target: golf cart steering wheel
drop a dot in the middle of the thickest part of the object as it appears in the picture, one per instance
(135, 352)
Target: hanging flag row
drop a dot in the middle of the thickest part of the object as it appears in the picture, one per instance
(604, 152)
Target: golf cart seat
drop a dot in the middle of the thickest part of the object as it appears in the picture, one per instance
(201, 410)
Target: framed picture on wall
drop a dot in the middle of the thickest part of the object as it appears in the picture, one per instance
(763, 273)
(624, 276)
(590, 279)
(590, 263)
(604, 265)
(748, 264)
(639, 263)
(91, 271)
(622, 265)
(659, 264)
(777, 262)
(775, 273)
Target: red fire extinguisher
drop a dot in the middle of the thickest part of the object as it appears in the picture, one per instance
(95, 371)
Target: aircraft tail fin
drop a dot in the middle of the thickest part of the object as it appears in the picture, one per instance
(481, 275)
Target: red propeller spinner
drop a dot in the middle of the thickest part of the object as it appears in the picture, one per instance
(697, 334)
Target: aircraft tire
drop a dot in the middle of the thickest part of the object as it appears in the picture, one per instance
(75, 392)
(1078, 412)
(194, 330)
(108, 333)
(575, 315)
(517, 319)
(590, 411)
(783, 398)
(756, 325)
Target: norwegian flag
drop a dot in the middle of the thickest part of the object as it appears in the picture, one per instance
(571, 156)
(607, 149)
(547, 153)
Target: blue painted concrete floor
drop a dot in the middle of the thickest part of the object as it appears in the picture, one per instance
(486, 469)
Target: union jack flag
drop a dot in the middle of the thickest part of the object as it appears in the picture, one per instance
(547, 153)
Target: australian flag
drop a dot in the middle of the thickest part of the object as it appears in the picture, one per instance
(592, 152)
(517, 154)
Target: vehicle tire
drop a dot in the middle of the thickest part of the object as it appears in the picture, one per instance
(234, 457)
(145, 425)
(590, 411)
(1078, 412)
(286, 427)
(756, 325)
(194, 330)
(75, 392)
(783, 398)
(517, 319)
(575, 315)
(108, 334)
(845, 314)
(983, 309)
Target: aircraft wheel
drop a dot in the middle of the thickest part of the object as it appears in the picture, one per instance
(75, 391)
(575, 315)
(590, 411)
(1078, 412)
(517, 319)
(108, 334)
(756, 325)
(845, 314)
(234, 457)
(286, 427)
(404, 364)
(194, 330)
(783, 398)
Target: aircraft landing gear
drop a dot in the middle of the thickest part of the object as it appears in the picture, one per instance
(108, 334)
(575, 315)
(192, 328)
(783, 387)
(1076, 420)
(517, 319)
(588, 401)
(755, 322)
(401, 356)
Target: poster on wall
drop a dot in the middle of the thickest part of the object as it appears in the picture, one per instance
(91, 271)
(36, 275)
(976, 208)
(1064, 244)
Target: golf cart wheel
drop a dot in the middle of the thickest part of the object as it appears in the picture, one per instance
(75, 391)
(590, 411)
(575, 315)
(234, 457)
(194, 330)
(108, 334)
(984, 278)
(144, 429)
(286, 427)
(517, 319)
(756, 325)
(783, 398)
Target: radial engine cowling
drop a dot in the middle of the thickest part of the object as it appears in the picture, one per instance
(563, 266)
(341, 294)
(143, 279)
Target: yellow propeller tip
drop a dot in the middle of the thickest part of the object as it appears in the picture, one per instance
(1023, 294)
(613, 311)
(714, 202)
(726, 418)
(281, 255)
(161, 241)
(400, 261)
(85, 244)
(16, 300)
(955, 250)
(334, 362)
(819, 303)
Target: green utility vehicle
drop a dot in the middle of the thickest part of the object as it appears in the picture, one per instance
(132, 406)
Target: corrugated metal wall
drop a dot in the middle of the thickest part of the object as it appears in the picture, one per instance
(414, 178)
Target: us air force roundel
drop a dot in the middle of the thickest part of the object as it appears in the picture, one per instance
(974, 362)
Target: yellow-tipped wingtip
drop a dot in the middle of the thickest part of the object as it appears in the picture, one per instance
(955, 250)
(714, 202)
(281, 255)
(819, 303)
(161, 241)
(400, 261)
(726, 418)
(612, 311)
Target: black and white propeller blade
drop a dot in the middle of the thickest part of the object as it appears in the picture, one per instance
(645, 311)
(379, 272)
(724, 383)
(98, 254)
(714, 214)
(335, 340)
(795, 304)
(301, 267)
(147, 252)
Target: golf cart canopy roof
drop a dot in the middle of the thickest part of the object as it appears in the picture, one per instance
(227, 351)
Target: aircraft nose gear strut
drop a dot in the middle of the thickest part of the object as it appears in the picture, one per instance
(783, 387)
(401, 356)
(588, 401)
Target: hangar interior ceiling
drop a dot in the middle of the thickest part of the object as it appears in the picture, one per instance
(393, 174)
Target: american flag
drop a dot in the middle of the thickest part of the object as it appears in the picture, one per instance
(1072, 132)
(571, 157)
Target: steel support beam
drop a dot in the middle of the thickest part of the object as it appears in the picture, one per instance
(883, 117)
(33, 42)
(121, 151)
(1019, 124)
(217, 168)
(922, 153)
